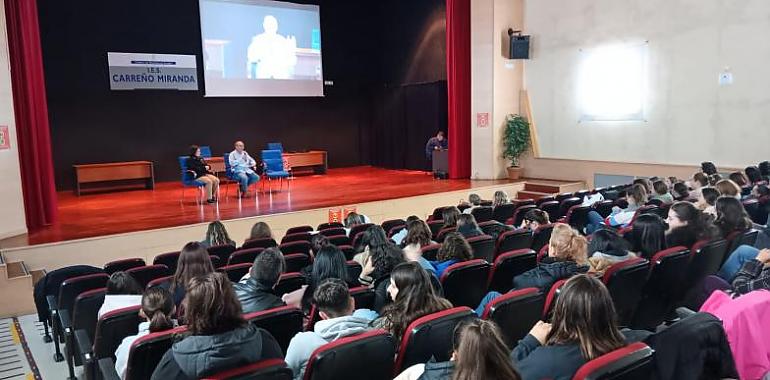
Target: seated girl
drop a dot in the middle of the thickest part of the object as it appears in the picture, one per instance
(455, 249)
(606, 248)
(637, 197)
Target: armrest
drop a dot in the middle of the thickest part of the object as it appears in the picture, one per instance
(107, 369)
(65, 320)
(85, 346)
(53, 302)
(684, 312)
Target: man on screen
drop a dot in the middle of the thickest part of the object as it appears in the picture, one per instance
(243, 166)
(271, 55)
(437, 142)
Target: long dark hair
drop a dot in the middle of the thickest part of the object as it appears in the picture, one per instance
(158, 307)
(373, 237)
(584, 315)
(329, 263)
(449, 215)
(455, 247)
(417, 232)
(193, 149)
(193, 261)
(753, 174)
(731, 216)
(607, 240)
(211, 306)
(217, 234)
(481, 353)
(416, 298)
(699, 225)
(739, 178)
(260, 230)
(385, 259)
(648, 235)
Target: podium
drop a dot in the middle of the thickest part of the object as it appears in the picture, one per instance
(440, 161)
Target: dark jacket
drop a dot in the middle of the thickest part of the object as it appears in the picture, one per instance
(431, 145)
(437, 371)
(684, 236)
(49, 285)
(468, 231)
(198, 165)
(547, 273)
(200, 355)
(752, 276)
(556, 362)
(381, 296)
(694, 348)
(256, 296)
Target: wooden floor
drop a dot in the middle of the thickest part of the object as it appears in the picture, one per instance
(139, 210)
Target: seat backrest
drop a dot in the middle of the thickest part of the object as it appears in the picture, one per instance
(625, 281)
(74, 286)
(244, 256)
(86, 309)
(222, 251)
(396, 229)
(289, 282)
(354, 270)
(749, 238)
(272, 154)
(123, 265)
(430, 251)
(438, 213)
(560, 197)
(667, 272)
(296, 261)
(370, 353)
(169, 259)
(235, 271)
(430, 336)
(268, 369)
(552, 208)
(444, 232)
(515, 312)
(299, 229)
(205, 151)
(163, 281)
(112, 327)
(275, 146)
(228, 168)
(567, 204)
(541, 237)
(581, 193)
(504, 211)
(143, 275)
(604, 208)
(548, 198)
(358, 228)
(324, 226)
(333, 231)
(389, 224)
(482, 213)
(187, 176)
(146, 352)
(259, 243)
(283, 323)
(435, 226)
(465, 283)
(216, 262)
(339, 240)
(705, 259)
(483, 247)
(509, 265)
(518, 215)
(348, 250)
(363, 297)
(632, 362)
(577, 216)
(551, 297)
(295, 247)
(513, 240)
(297, 236)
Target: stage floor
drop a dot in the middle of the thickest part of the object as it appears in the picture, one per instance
(138, 210)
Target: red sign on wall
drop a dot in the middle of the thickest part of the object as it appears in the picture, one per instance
(335, 215)
(482, 119)
(5, 138)
(347, 210)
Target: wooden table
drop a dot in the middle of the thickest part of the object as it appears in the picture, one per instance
(314, 159)
(114, 171)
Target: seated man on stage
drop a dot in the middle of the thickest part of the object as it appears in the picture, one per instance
(437, 142)
(243, 167)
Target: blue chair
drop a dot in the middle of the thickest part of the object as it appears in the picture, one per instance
(273, 160)
(231, 176)
(205, 151)
(188, 180)
(275, 146)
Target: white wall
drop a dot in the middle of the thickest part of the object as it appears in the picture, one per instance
(11, 203)
(690, 118)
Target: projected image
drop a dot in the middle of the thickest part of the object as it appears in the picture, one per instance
(261, 48)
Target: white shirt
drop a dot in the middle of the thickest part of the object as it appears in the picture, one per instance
(241, 162)
(115, 302)
(121, 354)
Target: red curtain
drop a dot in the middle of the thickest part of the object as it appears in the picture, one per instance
(458, 47)
(31, 111)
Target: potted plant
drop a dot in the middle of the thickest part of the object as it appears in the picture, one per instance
(515, 142)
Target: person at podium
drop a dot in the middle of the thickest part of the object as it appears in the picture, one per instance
(437, 142)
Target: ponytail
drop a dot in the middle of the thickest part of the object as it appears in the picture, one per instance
(160, 321)
(569, 244)
(158, 307)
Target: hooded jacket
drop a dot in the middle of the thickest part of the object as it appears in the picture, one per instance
(256, 296)
(547, 273)
(325, 331)
(200, 355)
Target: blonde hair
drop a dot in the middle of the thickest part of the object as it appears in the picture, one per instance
(728, 188)
(500, 198)
(568, 244)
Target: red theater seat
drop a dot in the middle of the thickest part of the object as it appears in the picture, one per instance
(515, 312)
(465, 283)
(667, 271)
(243, 256)
(123, 265)
(513, 240)
(483, 247)
(625, 281)
(299, 229)
(633, 362)
(430, 336)
(269, 369)
(236, 271)
(509, 265)
(259, 243)
(143, 275)
(368, 355)
(282, 322)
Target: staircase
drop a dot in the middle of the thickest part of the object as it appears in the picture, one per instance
(539, 188)
(16, 286)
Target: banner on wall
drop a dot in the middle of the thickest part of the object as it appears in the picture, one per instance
(141, 71)
(337, 215)
(5, 138)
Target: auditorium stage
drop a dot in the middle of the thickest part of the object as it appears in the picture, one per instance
(92, 215)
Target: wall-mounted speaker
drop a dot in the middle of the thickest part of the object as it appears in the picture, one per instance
(519, 47)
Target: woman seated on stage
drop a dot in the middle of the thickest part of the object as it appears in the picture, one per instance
(203, 173)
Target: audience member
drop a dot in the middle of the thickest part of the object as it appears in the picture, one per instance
(372, 239)
(606, 248)
(687, 225)
(728, 188)
(203, 174)
(339, 319)
(260, 230)
(753, 175)
(353, 219)
(708, 168)
(535, 218)
(399, 236)
(243, 168)
(699, 180)
(317, 242)
(328, 263)
(708, 200)
(379, 267)
(449, 215)
(764, 170)
(455, 249)
(256, 292)
(567, 257)
(645, 183)
(754, 274)
(474, 201)
(467, 226)
(478, 352)
(500, 198)
(637, 197)
(739, 178)
(418, 236)
(648, 235)
(413, 297)
(681, 193)
(583, 328)
(218, 336)
(714, 179)
(216, 234)
(122, 291)
(193, 261)
(157, 312)
(731, 216)
(661, 192)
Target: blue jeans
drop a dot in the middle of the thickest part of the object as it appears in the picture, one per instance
(486, 300)
(595, 222)
(246, 179)
(734, 263)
